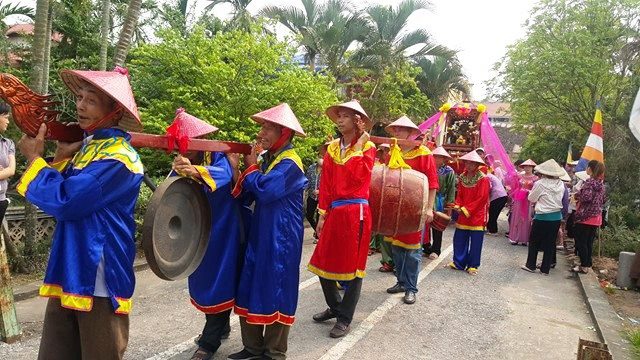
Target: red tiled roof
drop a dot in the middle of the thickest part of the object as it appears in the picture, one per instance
(27, 29)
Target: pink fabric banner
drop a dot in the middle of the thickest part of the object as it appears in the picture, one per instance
(493, 146)
(427, 124)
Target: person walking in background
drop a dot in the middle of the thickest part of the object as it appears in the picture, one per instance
(520, 222)
(446, 194)
(547, 194)
(588, 218)
(497, 200)
(7, 159)
(313, 189)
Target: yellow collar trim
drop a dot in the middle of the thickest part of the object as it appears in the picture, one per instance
(334, 151)
(115, 148)
(287, 154)
(415, 152)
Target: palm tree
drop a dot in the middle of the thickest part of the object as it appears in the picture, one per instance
(241, 19)
(128, 29)
(308, 23)
(104, 34)
(389, 40)
(175, 14)
(441, 77)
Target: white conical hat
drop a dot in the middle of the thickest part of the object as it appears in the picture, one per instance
(405, 122)
(473, 157)
(550, 168)
(529, 162)
(440, 151)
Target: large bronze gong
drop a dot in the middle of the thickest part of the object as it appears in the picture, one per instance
(176, 227)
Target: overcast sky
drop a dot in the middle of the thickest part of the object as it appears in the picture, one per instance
(479, 30)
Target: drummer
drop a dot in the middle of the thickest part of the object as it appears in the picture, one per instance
(345, 218)
(377, 240)
(91, 190)
(212, 286)
(267, 295)
(472, 202)
(407, 249)
(446, 195)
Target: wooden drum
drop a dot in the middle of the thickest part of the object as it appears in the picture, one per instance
(398, 200)
(440, 221)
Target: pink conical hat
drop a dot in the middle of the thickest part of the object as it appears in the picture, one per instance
(440, 151)
(472, 156)
(405, 122)
(529, 162)
(113, 83)
(280, 115)
(332, 111)
(185, 124)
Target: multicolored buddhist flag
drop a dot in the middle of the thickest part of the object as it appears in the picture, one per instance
(594, 149)
(570, 154)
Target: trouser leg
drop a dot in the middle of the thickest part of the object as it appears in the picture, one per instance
(460, 248)
(252, 336)
(275, 341)
(399, 257)
(215, 327)
(548, 244)
(436, 242)
(350, 300)
(60, 335)
(104, 335)
(475, 251)
(312, 205)
(534, 243)
(385, 250)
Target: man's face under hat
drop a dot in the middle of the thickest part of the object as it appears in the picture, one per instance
(92, 105)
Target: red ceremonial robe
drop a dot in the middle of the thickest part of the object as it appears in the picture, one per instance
(341, 253)
(472, 200)
(420, 159)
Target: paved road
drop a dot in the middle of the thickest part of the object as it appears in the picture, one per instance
(503, 313)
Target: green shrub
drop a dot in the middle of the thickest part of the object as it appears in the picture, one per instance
(622, 232)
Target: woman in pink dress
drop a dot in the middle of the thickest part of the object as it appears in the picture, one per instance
(521, 212)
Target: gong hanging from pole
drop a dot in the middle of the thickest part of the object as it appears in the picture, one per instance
(176, 227)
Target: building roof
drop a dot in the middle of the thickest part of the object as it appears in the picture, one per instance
(28, 29)
(498, 109)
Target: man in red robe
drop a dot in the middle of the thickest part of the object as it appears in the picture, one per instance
(472, 203)
(344, 226)
(406, 248)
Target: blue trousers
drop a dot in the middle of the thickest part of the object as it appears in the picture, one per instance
(407, 263)
(467, 248)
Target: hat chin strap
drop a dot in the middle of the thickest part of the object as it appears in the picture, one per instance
(108, 119)
(285, 135)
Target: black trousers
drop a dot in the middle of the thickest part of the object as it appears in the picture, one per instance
(344, 307)
(3, 209)
(543, 238)
(495, 207)
(216, 326)
(311, 212)
(584, 236)
(436, 243)
(570, 225)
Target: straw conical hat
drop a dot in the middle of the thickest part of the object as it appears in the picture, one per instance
(190, 126)
(115, 84)
(332, 111)
(565, 177)
(582, 175)
(550, 168)
(473, 157)
(529, 162)
(280, 115)
(440, 151)
(405, 122)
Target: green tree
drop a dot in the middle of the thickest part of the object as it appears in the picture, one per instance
(224, 80)
(569, 59)
(440, 78)
(389, 40)
(241, 17)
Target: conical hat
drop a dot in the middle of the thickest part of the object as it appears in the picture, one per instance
(550, 168)
(529, 162)
(190, 126)
(405, 122)
(115, 84)
(473, 157)
(280, 115)
(582, 175)
(440, 151)
(565, 177)
(332, 112)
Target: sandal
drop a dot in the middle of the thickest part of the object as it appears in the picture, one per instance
(452, 265)
(202, 354)
(371, 252)
(433, 256)
(472, 271)
(579, 270)
(386, 268)
(525, 268)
